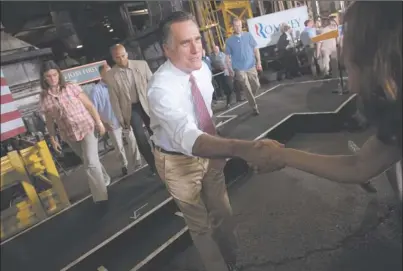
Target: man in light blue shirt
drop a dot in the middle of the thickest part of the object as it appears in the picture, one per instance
(306, 38)
(241, 50)
(99, 96)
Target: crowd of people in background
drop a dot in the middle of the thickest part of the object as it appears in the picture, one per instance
(185, 149)
(321, 54)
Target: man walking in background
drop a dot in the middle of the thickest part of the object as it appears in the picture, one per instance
(219, 65)
(306, 38)
(328, 52)
(99, 96)
(127, 82)
(241, 50)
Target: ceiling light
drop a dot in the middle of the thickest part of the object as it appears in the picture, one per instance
(79, 46)
(111, 30)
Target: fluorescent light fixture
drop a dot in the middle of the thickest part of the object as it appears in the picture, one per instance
(111, 30)
(79, 46)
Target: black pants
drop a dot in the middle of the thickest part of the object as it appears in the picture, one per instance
(290, 62)
(139, 117)
(225, 85)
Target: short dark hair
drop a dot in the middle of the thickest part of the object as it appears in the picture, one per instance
(307, 22)
(174, 17)
(372, 48)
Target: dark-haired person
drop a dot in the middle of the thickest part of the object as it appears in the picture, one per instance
(286, 51)
(68, 106)
(306, 38)
(185, 139)
(99, 96)
(373, 56)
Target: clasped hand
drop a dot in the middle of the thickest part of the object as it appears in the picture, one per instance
(265, 156)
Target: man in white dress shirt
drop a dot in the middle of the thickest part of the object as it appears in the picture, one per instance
(180, 96)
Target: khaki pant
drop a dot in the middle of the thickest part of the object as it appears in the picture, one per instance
(200, 192)
(329, 59)
(98, 179)
(249, 82)
(117, 141)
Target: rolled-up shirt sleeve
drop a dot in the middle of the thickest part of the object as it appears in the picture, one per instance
(173, 119)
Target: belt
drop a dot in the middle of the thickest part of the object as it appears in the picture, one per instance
(167, 152)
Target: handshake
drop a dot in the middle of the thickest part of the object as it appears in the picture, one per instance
(265, 156)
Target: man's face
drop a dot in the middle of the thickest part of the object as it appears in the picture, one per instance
(237, 26)
(216, 49)
(310, 24)
(184, 47)
(119, 56)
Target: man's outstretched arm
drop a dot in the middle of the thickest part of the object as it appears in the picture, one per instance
(188, 139)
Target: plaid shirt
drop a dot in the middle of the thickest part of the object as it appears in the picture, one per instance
(67, 110)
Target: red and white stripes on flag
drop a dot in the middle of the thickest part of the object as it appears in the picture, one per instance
(11, 121)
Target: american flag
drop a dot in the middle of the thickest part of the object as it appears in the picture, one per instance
(11, 121)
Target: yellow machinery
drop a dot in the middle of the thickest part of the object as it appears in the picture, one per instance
(208, 15)
(18, 168)
(235, 9)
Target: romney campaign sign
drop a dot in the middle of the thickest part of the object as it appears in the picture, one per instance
(266, 29)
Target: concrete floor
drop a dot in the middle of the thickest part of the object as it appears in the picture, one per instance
(293, 221)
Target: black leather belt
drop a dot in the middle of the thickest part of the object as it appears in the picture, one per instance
(167, 152)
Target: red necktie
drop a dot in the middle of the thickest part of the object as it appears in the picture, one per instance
(204, 120)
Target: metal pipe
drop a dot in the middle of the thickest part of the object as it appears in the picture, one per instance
(202, 23)
(35, 28)
(342, 90)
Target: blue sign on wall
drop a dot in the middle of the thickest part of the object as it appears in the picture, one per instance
(83, 74)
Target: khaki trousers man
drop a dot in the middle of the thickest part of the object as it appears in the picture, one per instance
(249, 82)
(198, 188)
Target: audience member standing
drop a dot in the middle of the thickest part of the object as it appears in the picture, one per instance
(127, 82)
(306, 38)
(328, 52)
(241, 50)
(99, 96)
(221, 68)
(286, 51)
(76, 117)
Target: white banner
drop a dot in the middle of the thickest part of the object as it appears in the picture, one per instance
(266, 29)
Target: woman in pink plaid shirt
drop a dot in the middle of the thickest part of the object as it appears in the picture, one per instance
(76, 117)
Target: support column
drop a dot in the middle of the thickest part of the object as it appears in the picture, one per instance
(202, 23)
(262, 10)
